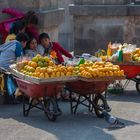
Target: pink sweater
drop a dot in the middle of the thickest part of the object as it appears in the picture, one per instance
(17, 15)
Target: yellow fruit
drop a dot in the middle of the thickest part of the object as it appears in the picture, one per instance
(41, 75)
(43, 70)
(53, 75)
(110, 73)
(33, 64)
(57, 74)
(82, 65)
(101, 63)
(41, 59)
(40, 64)
(107, 73)
(31, 69)
(35, 59)
(108, 63)
(47, 59)
(47, 75)
(81, 68)
(35, 74)
(68, 73)
(62, 74)
(38, 56)
(29, 63)
(88, 75)
(94, 74)
(62, 68)
(115, 73)
(37, 69)
(76, 68)
(49, 70)
(121, 72)
(70, 68)
(51, 63)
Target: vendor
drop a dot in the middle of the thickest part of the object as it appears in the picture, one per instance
(9, 51)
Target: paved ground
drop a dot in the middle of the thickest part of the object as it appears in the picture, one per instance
(83, 126)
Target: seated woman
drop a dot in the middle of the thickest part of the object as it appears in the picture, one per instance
(32, 48)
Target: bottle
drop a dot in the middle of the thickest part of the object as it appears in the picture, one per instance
(81, 61)
(120, 57)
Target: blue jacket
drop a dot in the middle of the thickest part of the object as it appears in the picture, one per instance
(9, 52)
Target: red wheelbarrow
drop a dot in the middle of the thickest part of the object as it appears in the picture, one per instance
(42, 96)
(132, 71)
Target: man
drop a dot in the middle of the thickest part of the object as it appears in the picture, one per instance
(9, 51)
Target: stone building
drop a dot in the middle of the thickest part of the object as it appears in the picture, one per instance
(96, 22)
(85, 25)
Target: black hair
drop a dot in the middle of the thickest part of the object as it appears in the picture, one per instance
(43, 36)
(22, 37)
(29, 41)
(17, 26)
(31, 18)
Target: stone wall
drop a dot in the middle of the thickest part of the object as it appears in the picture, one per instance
(100, 2)
(96, 25)
(92, 33)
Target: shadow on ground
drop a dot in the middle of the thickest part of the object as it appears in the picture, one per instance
(81, 126)
(126, 96)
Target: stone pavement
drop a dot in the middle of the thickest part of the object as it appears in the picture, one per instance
(82, 126)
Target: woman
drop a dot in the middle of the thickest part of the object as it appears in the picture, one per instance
(30, 18)
(17, 27)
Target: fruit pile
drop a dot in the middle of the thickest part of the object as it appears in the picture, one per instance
(44, 67)
(136, 55)
(99, 69)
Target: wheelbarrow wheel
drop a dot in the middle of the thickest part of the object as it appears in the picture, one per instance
(51, 109)
(101, 102)
(138, 87)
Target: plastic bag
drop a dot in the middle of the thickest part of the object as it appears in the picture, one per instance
(11, 86)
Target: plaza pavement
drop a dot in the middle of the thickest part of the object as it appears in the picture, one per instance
(82, 126)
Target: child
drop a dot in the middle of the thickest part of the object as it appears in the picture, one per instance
(50, 47)
(32, 48)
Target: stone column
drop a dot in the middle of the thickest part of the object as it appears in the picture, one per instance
(66, 28)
